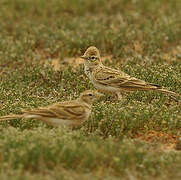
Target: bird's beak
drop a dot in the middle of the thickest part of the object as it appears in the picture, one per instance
(83, 57)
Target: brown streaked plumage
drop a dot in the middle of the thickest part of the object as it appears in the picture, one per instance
(114, 81)
(71, 113)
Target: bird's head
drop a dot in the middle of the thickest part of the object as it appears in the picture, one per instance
(90, 96)
(92, 57)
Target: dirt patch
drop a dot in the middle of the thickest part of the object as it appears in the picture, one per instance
(167, 140)
(74, 62)
(137, 46)
(168, 57)
(55, 63)
(58, 63)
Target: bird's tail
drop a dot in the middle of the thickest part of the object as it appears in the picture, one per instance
(172, 94)
(11, 117)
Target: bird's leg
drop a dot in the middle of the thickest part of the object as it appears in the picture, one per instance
(119, 96)
(116, 97)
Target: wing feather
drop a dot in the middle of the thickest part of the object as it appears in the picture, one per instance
(65, 110)
(118, 79)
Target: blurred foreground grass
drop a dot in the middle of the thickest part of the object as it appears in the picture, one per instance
(132, 139)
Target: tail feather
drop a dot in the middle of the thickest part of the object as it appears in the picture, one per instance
(39, 112)
(172, 94)
(11, 117)
(159, 88)
(155, 85)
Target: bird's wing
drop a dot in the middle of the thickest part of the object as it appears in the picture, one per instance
(65, 110)
(118, 79)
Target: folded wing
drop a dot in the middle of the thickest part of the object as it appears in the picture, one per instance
(64, 111)
(110, 77)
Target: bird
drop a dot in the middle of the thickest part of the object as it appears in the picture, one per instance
(114, 81)
(68, 113)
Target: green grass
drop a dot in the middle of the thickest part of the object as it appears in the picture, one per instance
(129, 139)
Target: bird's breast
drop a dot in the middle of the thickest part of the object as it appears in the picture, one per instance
(87, 71)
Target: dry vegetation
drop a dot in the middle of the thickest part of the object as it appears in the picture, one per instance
(40, 42)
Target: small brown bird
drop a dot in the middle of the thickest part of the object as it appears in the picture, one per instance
(114, 81)
(67, 113)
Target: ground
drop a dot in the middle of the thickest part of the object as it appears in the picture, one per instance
(40, 45)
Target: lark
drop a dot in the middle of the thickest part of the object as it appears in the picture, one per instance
(68, 113)
(113, 81)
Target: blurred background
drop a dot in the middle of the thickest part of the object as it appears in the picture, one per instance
(40, 45)
(60, 28)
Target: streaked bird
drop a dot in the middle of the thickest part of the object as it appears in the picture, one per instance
(110, 80)
(67, 113)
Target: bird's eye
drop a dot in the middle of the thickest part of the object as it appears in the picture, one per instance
(92, 58)
(90, 94)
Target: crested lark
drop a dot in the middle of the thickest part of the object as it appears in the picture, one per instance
(69, 113)
(114, 81)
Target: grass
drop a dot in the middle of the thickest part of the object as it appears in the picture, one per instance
(132, 139)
